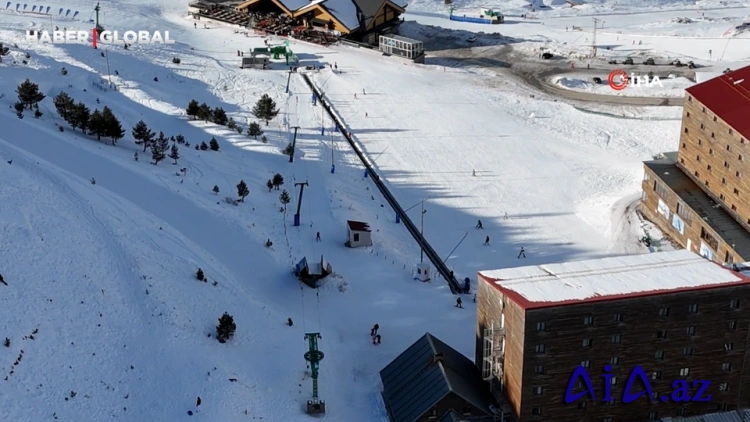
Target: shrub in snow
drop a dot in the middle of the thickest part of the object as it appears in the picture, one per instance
(219, 116)
(176, 60)
(226, 328)
(28, 94)
(216, 189)
(37, 113)
(284, 198)
(288, 150)
(231, 124)
(64, 71)
(254, 130)
(264, 139)
(277, 180)
(199, 275)
(204, 146)
(269, 185)
(213, 144)
(6, 343)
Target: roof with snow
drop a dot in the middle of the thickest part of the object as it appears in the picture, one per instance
(649, 274)
(348, 12)
(358, 226)
(728, 96)
(427, 372)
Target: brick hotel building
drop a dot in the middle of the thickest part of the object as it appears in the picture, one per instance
(676, 314)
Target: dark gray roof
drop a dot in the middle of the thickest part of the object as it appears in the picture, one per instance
(414, 382)
(453, 416)
(370, 7)
(693, 196)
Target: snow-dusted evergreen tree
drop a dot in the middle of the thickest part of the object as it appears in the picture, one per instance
(174, 153)
(226, 328)
(242, 190)
(28, 94)
(284, 198)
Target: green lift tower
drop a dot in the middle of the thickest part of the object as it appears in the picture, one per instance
(314, 356)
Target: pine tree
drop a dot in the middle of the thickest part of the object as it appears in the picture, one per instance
(254, 130)
(159, 148)
(199, 275)
(81, 116)
(203, 146)
(204, 112)
(112, 127)
(219, 116)
(278, 180)
(213, 144)
(143, 135)
(269, 185)
(64, 105)
(20, 107)
(284, 198)
(289, 149)
(226, 328)
(28, 93)
(179, 139)
(174, 153)
(192, 109)
(231, 124)
(97, 124)
(37, 113)
(216, 189)
(242, 190)
(265, 108)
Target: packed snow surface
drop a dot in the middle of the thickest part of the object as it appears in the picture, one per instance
(611, 276)
(102, 296)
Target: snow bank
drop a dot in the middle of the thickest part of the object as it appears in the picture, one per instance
(672, 87)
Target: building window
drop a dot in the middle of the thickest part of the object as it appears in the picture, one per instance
(721, 407)
(736, 191)
(688, 114)
(712, 135)
(706, 182)
(466, 410)
(684, 372)
(614, 360)
(691, 330)
(688, 351)
(700, 142)
(737, 174)
(582, 405)
(734, 304)
(726, 165)
(659, 355)
(608, 419)
(728, 347)
(539, 348)
(661, 191)
(613, 380)
(588, 342)
(589, 320)
(731, 131)
(732, 325)
(710, 240)
(652, 416)
(433, 414)
(704, 109)
(726, 366)
(693, 309)
(682, 161)
(739, 157)
(721, 196)
(618, 317)
(539, 370)
(729, 148)
(662, 334)
(708, 167)
(356, 237)
(742, 140)
(702, 126)
(538, 391)
(617, 339)
(710, 151)
(541, 326)
(656, 375)
(684, 212)
(728, 258)
(690, 99)
(664, 312)
(537, 411)
(586, 364)
(697, 174)
(682, 411)
(698, 158)
(724, 386)
(714, 118)
(686, 131)
(734, 207)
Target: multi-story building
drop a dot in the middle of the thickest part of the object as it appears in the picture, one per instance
(700, 195)
(675, 315)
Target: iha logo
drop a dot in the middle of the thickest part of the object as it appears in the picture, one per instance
(618, 80)
(95, 37)
(638, 381)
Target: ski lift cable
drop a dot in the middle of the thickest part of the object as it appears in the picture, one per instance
(302, 292)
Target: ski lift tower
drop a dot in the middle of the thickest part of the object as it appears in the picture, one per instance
(314, 356)
(99, 28)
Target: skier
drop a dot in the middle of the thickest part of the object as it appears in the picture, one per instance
(640, 42)
(486, 241)
(522, 253)
(505, 217)
(317, 237)
(197, 405)
(269, 243)
(335, 66)
(366, 114)
(479, 225)
(135, 156)
(363, 91)
(93, 181)
(2, 280)
(355, 95)
(474, 173)
(475, 298)
(238, 53)
(377, 339)
(459, 303)
(374, 330)
(289, 322)
(195, 25)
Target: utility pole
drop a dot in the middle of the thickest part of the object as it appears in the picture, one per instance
(333, 163)
(288, 78)
(294, 144)
(322, 122)
(109, 75)
(593, 38)
(421, 232)
(299, 203)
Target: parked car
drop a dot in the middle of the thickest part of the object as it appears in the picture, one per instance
(472, 38)
(649, 62)
(547, 56)
(629, 60)
(597, 80)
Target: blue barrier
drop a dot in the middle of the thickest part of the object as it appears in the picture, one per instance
(471, 20)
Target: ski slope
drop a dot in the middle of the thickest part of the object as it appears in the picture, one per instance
(106, 271)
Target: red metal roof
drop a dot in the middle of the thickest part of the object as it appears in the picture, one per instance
(728, 96)
(358, 226)
(524, 303)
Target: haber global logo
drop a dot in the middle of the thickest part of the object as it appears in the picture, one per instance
(94, 37)
(618, 80)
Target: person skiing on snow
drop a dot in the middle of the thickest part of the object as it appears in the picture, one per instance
(317, 237)
(289, 322)
(479, 225)
(474, 172)
(2, 280)
(377, 339)
(135, 156)
(363, 91)
(355, 95)
(374, 330)
(522, 254)
(366, 114)
(486, 241)
(459, 303)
